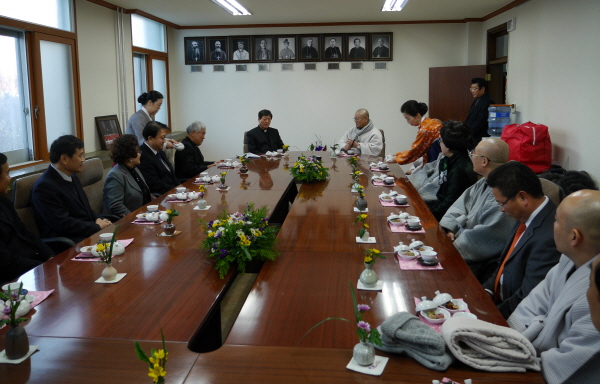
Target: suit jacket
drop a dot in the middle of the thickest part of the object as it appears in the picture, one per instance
(158, 178)
(136, 124)
(530, 261)
(478, 116)
(62, 208)
(334, 53)
(358, 53)
(122, 194)
(381, 51)
(259, 54)
(259, 143)
(189, 162)
(20, 250)
(309, 53)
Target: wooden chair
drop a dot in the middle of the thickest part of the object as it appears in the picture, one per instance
(382, 153)
(91, 178)
(246, 142)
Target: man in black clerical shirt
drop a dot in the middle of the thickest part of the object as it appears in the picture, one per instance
(190, 162)
(263, 139)
(477, 119)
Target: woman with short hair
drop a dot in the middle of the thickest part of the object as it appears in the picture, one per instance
(125, 189)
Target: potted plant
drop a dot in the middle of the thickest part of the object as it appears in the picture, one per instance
(222, 176)
(364, 351)
(361, 203)
(243, 160)
(308, 169)
(168, 216)
(157, 360)
(362, 232)
(368, 277)
(16, 340)
(105, 253)
(201, 202)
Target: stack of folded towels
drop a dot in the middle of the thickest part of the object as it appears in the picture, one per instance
(489, 347)
(405, 333)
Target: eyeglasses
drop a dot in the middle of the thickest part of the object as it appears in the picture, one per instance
(507, 200)
(358, 118)
(473, 89)
(471, 154)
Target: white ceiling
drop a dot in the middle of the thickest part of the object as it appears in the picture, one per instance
(205, 12)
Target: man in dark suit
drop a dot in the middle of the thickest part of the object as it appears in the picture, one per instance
(309, 52)
(61, 206)
(333, 52)
(358, 52)
(154, 164)
(190, 162)
(20, 250)
(263, 138)
(477, 119)
(531, 252)
(196, 52)
(381, 51)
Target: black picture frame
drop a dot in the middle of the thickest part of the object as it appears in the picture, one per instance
(306, 54)
(108, 130)
(235, 56)
(286, 54)
(189, 52)
(379, 54)
(212, 55)
(329, 53)
(269, 48)
(360, 52)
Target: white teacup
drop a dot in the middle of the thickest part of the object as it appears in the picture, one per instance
(428, 256)
(152, 208)
(280, 151)
(228, 163)
(180, 189)
(106, 237)
(193, 195)
(413, 223)
(228, 160)
(401, 199)
(389, 180)
(383, 166)
(152, 216)
(181, 196)
(13, 287)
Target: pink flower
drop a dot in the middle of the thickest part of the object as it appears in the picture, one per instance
(363, 307)
(365, 326)
(6, 310)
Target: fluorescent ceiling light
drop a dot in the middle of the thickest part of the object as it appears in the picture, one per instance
(393, 5)
(233, 7)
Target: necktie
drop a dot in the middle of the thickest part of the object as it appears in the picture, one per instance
(522, 227)
(162, 161)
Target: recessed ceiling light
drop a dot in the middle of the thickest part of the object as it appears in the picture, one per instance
(393, 5)
(233, 7)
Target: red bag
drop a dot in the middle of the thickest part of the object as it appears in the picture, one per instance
(530, 144)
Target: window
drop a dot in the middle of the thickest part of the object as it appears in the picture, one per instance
(50, 13)
(148, 34)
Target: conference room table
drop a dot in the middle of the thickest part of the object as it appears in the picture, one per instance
(87, 330)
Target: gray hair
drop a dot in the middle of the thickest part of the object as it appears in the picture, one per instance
(196, 126)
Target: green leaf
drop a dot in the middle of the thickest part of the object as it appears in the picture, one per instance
(319, 323)
(140, 353)
(356, 313)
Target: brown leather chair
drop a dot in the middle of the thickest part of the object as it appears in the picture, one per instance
(91, 178)
(382, 153)
(553, 191)
(246, 142)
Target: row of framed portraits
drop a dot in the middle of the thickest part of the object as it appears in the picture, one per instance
(288, 48)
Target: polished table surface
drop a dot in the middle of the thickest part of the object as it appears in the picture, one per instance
(172, 283)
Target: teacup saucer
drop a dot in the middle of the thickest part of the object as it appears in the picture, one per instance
(420, 260)
(413, 228)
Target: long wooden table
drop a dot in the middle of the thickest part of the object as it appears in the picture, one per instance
(172, 283)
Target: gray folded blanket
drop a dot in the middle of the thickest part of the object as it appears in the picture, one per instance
(405, 333)
(489, 347)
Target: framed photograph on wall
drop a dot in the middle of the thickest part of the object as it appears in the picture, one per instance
(357, 46)
(381, 46)
(286, 48)
(262, 49)
(217, 50)
(240, 49)
(108, 130)
(332, 47)
(309, 47)
(194, 50)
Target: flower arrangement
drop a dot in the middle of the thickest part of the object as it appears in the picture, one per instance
(285, 148)
(364, 331)
(201, 190)
(354, 162)
(157, 360)
(105, 250)
(240, 238)
(171, 213)
(243, 159)
(12, 301)
(372, 254)
(222, 176)
(308, 169)
(364, 226)
(317, 146)
(361, 190)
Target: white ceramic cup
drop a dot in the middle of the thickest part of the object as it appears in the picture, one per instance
(180, 189)
(413, 223)
(152, 208)
(106, 237)
(401, 199)
(182, 196)
(280, 151)
(389, 180)
(428, 256)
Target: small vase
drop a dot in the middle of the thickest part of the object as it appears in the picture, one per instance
(109, 273)
(365, 236)
(16, 342)
(223, 185)
(201, 204)
(169, 229)
(244, 169)
(364, 353)
(361, 203)
(368, 277)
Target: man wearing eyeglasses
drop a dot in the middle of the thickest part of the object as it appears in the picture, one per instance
(478, 114)
(530, 252)
(364, 138)
(474, 223)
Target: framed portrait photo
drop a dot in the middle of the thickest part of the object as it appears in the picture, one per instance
(357, 47)
(286, 48)
(332, 47)
(194, 50)
(263, 49)
(381, 46)
(239, 49)
(108, 130)
(309, 48)
(217, 50)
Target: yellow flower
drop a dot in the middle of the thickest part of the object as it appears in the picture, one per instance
(211, 234)
(363, 216)
(368, 259)
(100, 247)
(366, 225)
(156, 372)
(376, 251)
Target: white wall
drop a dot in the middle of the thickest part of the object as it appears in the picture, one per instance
(553, 75)
(96, 37)
(305, 103)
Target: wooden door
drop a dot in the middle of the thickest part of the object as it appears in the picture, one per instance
(449, 96)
